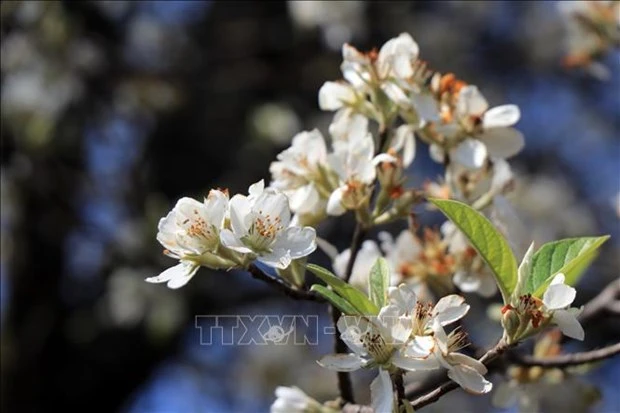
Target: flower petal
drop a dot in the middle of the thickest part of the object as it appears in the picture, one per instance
(381, 396)
(334, 204)
(436, 153)
(458, 358)
(558, 296)
(470, 153)
(278, 258)
(341, 362)
(501, 116)
(351, 329)
(420, 347)
(502, 142)
(230, 240)
(470, 380)
(403, 297)
(414, 364)
(240, 214)
(176, 276)
(568, 323)
(471, 102)
(334, 95)
(450, 308)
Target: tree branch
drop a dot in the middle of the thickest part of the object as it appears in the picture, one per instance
(566, 360)
(344, 379)
(606, 300)
(283, 286)
(431, 397)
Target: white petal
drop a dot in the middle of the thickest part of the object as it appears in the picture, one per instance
(274, 205)
(466, 281)
(501, 116)
(470, 153)
(384, 157)
(229, 240)
(471, 102)
(334, 204)
(450, 308)
(458, 358)
(470, 380)
(502, 142)
(381, 396)
(304, 199)
(256, 189)
(404, 139)
(240, 215)
(341, 362)
(216, 205)
(394, 327)
(558, 296)
(334, 95)
(403, 297)
(395, 93)
(176, 276)
(437, 153)
(298, 241)
(568, 323)
(426, 106)
(278, 258)
(420, 347)
(351, 328)
(414, 364)
(441, 338)
(559, 278)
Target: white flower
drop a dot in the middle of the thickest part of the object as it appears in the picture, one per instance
(494, 137)
(335, 95)
(260, 226)
(352, 162)
(466, 371)
(348, 126)
(191, 234)
(382, 341)
(396, 57)
(404, 141)
(556, 300)
(366, 258)
(293, 400)
(297, 171)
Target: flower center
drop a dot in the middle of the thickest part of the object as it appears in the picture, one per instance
(377, 347)
(263, 232)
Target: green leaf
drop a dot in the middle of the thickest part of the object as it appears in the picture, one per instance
(488, 241)
(379, 281)
(343, 305)
(569, 256)
(351, 294)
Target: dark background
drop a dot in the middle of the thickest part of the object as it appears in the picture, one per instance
(112, 110)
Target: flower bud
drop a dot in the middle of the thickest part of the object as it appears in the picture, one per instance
(511, 322)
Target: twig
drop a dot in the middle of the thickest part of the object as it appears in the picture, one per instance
(399, 388)
(434, 395)
(566, 360)
(283, 286)
(606, 300)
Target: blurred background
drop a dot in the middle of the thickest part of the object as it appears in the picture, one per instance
(112, 110)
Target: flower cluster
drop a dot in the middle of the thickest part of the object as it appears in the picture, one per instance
(223, 233)
(533, 313)
(593, 29)
(408, 334)
(386, 99)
